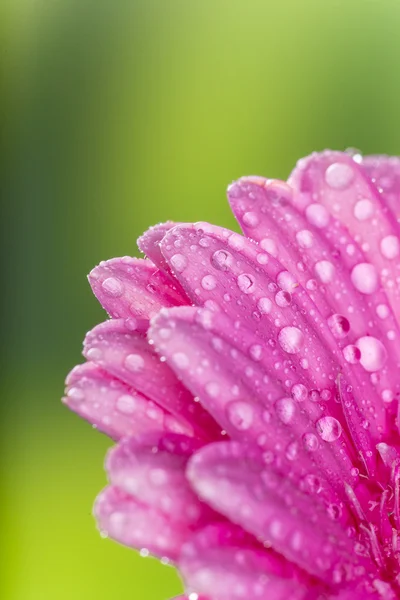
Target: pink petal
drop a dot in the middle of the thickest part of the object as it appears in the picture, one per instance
(127, 355)
(151, 468)
(247, 404)
(137, 525)
(385, 174)
(149, 243)
(112, 406)
(236, 481)
(224, 563)
(133, 288)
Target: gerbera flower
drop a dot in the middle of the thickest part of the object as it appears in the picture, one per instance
(251, 384)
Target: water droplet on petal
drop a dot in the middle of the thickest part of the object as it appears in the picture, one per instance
(291, 339)
(181, 360)
(305, 238)
(283, 298)
(179, 262)
(285, 409)
(76, 394)
(390, 246)
(339, 326)
(240, 415)
(264, 305)
(382, 310)
(352, 354)
(329, 429)
(269, 246)
(286, 281)
(317, 215)
(134, 363)
(125, 404)
(363, 209)
(310, 442)
(212, 389)
(373, 353)
(208, 282)
(339, 176)
(325, 271)
(113, 287)
(222, 260)
(365, 278)
(299, 392)
(251, 219)
(246, 283)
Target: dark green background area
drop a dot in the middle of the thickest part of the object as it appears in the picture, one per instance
(114, 116)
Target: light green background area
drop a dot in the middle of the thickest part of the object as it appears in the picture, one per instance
(118, 115)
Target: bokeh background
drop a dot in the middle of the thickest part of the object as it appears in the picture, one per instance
(114, 116)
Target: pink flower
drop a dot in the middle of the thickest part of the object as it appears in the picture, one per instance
(252, 383)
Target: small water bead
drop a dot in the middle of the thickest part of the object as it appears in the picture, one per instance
(134, 363)
(339, 326)
(246, 283)
(365, 278)
(382, 310)
(94, 354)
(292, 451)
(299, 392)
(291, 339)
(310, 442)
(179, 262)
(314, 395)
(113, 287)
(329, 429)
(76, 394)
(387, 396)
(222, 260)
(269, 246)
(255, 352)
(283, 298)
(251, 219)
(317, 215)
(208, 282)
(363, 209)
(240, 415)
(305, 238)
(286, 281)
(285, 409)
(262, 258)
(325, 271)
(126, 404)
(373, 353)
(181, 360)
(312, 483)
(339, 176)
(212, 389)
(311, 285)
(352, 354)
(390, 247)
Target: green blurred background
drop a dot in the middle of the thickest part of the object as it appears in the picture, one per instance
(116, 115)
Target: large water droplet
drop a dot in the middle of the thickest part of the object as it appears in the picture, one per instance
(305, 238)
(365, 278)
(208, 282)
(113, 287)
(134, 363)
(222, 260)
(317, 215)
(283, 298)
(390, 247)
(240, 414)
(352, 354)
(125, 404)
(291, 339)
(363, 209)
(339, 176)
(373, 353)
(179, 262)
(325, 271)
(339, 326)
(264, 305)
(329, 429)
(299, 392)
(285, 409)
(246, 283)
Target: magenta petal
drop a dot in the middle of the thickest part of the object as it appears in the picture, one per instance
(152, 469)
(137, 525)
(385, 174)
(149, 243)
(223, 563)
(133, 288)
(112, 406)
(127, 355)
(236, 481)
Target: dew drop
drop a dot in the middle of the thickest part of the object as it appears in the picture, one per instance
(363, 209)
(208, 282)
(310, 442)
(125, 404)
(365, 278)
(246, 283)
(212, 389)
(329, 429)
(317, 215)
(373, 353)
(179, 262)
(285, 409)
(113, 287)
(305, 238)
(255, 352)
(390, 247)
(221, 260)
(283, 298)
(324, 270)
(299, 392)
(181, 360)
(352, 354)
(339, 176)
(291, 339)
(76, 394)
(240, 415)
(269, 246)
(292, 451)
(382, 310)
(339, 326)
(134, 363)
(286, 281)
(251, 219)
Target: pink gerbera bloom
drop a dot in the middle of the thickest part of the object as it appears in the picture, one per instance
(252, 383)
